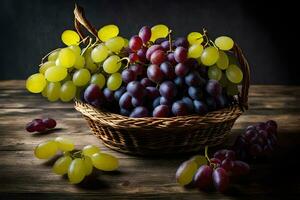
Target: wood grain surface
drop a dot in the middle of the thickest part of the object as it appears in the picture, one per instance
(22, 176)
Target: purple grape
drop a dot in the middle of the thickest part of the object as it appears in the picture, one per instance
(156, 102)
(213, 88)
(251, 127)
(146, 82)
(145, 34)
(240, 168)
(30, 127)
(139, 112)
(216, 161)
(179, 109)
(158, 57)
(261, 126)
(154, 73)
(200, 107)
(180, 54)
(165, 101)
(272, 123)
(221, 101)
(171, 59)
(125, 101)
(227, 164)
(161, 111)
(181, 69)
(128, 75)
(250, 134)
(49, 122)
(141, 53)
(221, 154)
(152, 49)
(108, 94)
(195, 93)
(165, 45)
(133, 57)
(168, 70)
(119, 93)
(124, 112)
(179, 82)
(194, 79)
(137, 69)
(135, 43)
(220, 179)
(160, 40)
(192, 63)
(93, 95)
(136, 101)
(181, 42)
(135, 89)
(39, 126)
(203, 177)
(152, 92)
(189, 104)
(263, 133)
(230, 155)
(168, 90)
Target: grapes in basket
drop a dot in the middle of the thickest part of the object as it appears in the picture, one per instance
(77, 164)
(151, 74)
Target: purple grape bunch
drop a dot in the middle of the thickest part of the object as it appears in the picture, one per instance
(161, 81)
(40, 125)
(257, 141)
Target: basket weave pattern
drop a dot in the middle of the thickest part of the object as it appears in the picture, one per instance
(182, 134)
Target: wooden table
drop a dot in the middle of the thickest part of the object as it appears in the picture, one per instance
(22, 176)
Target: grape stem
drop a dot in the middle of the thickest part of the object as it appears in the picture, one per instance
(170, 41)
(88, 46)
(205, 36)
(206, 154)
(43, 59)
(75, 154)
(127, 59)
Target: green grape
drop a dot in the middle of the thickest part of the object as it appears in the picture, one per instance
(126, 42)
(64, 144)
(99, 53)
(107, 32)
(89, 150)
(67, 91)
(76, 49)
(66, 58)
(232, 89)
(210, 56)
(70, 37)
(44, 92)
(81, 77)
(89, 63)
(115, 44)
(223, 81)
(53, 56)
(46, 149)
(76, 171)
(45, 66)
(36, 83)
(114, 81)
(98, 79)
(88, 165)
(223, 60)
(186, 172)
(214, 73)
(105, 162)
(80, 62)
(199, 160)
(53, 90)
(61, 165)
(224, 43)
(112, 64)
(195, 38)
(234, 74)
(195, 51)
(159, 31)
(56, 73)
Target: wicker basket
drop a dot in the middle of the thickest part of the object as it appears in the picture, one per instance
(183, 134)
(150, 136)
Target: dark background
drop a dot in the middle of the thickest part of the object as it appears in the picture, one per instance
(30, 29)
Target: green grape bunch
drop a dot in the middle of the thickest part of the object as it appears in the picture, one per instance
(77, 164)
